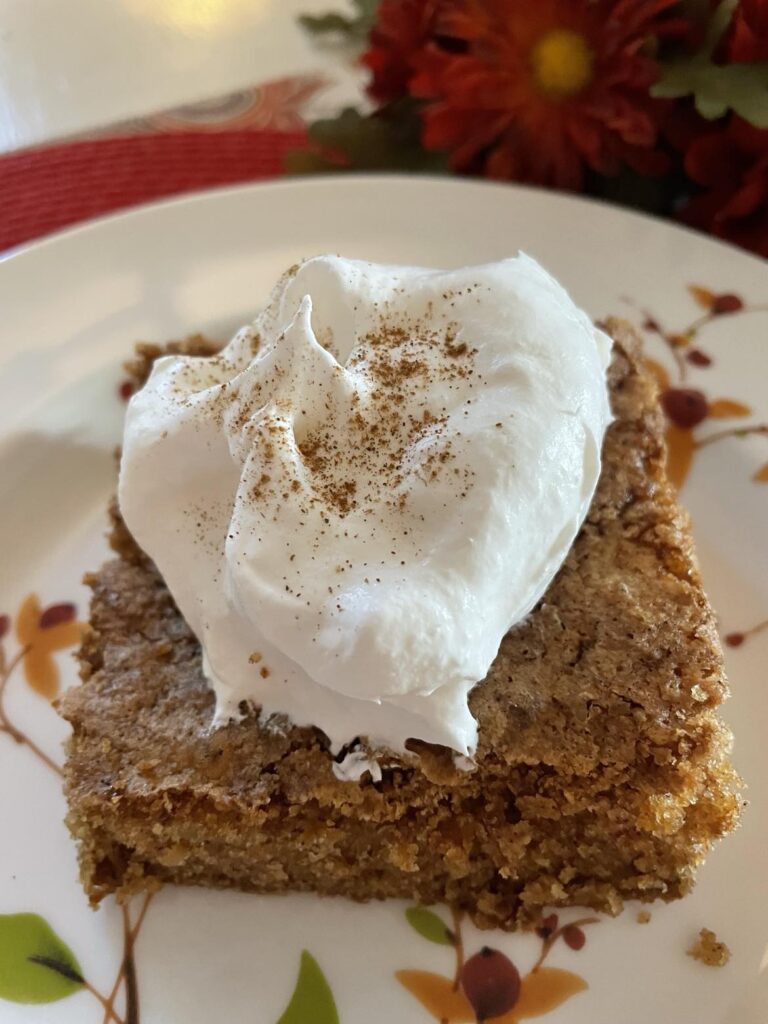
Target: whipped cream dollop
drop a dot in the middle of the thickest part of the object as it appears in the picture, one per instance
(358, 497)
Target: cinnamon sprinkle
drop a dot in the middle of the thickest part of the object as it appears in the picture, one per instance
(387, 424)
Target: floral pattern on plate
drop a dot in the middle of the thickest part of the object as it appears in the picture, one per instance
(36, 964)
(686, 407)
(38, 967)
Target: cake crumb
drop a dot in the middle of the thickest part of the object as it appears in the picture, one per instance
(255, 658)
(643, 917)
(709, 950)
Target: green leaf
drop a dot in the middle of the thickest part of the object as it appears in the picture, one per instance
(429, 926)
(717, 88)
(312, 1000)
(35, 965)
(325, 24)
(390, 139)
(354, 28)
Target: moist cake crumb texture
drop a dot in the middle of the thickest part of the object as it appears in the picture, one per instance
(602, 768)
(708, 950)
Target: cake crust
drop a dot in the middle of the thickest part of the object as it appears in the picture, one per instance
(602, 767)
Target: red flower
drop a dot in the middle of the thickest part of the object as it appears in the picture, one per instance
(747, 36)
(730, 161)
(537, 91)
(401, 30)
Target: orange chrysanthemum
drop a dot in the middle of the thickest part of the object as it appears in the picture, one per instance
(531, 91)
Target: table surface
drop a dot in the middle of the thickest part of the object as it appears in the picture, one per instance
(70, 66)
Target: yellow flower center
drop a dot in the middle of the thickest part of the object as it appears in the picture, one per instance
(562, 63)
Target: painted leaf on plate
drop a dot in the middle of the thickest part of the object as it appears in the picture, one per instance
(698, 358)
(680, 449)
(438, 996)
(725, 408)
(35, 965)
(727, 302)
(544, 990)
(312, 1001)
(429, 925)
(55, 614)
(43, 633)
(659, 372)
(574, 937)
(704, 296)
(681, 339)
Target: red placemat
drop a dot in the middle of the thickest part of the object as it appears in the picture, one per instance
(42, 190)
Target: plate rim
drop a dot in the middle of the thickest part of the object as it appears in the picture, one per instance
(146, 213)
(287, 183)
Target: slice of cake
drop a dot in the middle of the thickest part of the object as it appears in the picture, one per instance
(600, 769)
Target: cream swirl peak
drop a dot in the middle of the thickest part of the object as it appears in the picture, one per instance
(355, 500)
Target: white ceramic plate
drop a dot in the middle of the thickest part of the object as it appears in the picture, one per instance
(70, 310)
